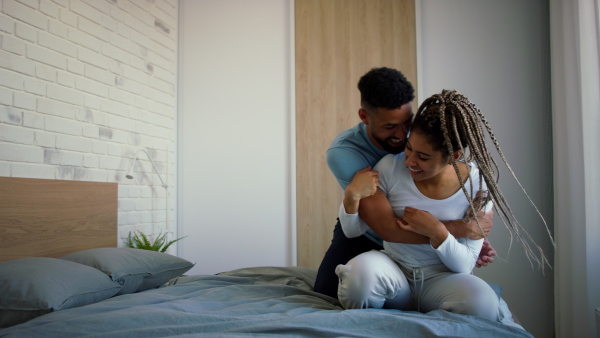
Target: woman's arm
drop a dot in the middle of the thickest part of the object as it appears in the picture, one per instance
(379, 215)
(377, 212)
(352, 224)
(457, 256)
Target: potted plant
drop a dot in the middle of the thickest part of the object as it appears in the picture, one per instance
(141, 241)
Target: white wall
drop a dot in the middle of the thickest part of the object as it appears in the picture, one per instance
(497, 53)
(575, 107)
(235, 155)
(84, 84)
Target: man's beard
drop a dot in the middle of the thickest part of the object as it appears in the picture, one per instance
(385, 144)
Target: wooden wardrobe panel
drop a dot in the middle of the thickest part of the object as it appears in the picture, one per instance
(337, 41)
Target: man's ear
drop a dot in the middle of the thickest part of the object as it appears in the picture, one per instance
(364, 116)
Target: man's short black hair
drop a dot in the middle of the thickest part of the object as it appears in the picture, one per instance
(384, 88)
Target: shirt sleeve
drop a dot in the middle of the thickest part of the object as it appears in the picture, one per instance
(459, 256)
(344, 163)
(352, 224)
(385, 168)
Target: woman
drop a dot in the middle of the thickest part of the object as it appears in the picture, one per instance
(432, 180)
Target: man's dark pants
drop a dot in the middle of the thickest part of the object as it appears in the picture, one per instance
(341, 250)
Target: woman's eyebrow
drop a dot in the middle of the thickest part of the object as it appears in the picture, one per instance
(408, 145)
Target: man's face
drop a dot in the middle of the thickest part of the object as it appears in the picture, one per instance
(388, 128)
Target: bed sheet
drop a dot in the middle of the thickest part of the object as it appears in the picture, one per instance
(256, 301)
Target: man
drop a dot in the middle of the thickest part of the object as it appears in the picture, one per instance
(386, 114)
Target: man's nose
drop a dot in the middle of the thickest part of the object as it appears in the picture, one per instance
(400, 133)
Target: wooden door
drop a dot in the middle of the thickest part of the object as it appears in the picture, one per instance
(337, 41)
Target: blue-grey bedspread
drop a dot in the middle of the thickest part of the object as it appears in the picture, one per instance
(248, 302)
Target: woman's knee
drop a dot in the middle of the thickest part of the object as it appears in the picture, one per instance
(470, 295)
(483, 302)
(369, 279)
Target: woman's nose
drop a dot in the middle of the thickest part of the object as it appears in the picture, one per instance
(410, 162)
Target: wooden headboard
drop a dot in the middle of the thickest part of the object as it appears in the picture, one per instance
(52, 218)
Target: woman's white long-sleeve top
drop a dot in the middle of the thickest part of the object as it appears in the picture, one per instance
(459, 255)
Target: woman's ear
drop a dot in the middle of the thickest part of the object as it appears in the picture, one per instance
(457, 155)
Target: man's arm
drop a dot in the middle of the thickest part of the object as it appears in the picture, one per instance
(470, 229)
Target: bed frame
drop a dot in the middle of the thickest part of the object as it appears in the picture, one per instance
(52, 218)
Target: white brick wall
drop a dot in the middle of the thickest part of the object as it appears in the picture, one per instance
(84, 84)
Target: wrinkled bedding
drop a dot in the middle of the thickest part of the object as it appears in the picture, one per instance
(248, 302)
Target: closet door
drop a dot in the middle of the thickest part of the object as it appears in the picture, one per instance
(337, 41)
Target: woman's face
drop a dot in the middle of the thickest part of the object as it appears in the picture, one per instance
(423, 161)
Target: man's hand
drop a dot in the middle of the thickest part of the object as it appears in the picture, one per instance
(486, 222)
(364, 184)
(478, 204)
(485, 218)
(487, 253)
(486, 256)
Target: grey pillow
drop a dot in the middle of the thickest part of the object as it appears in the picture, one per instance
(135, 269)
(31, 287)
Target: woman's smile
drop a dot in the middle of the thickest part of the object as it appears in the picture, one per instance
(414, 171)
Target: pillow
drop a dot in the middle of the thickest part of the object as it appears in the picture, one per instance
(31, 287)
(135, 269)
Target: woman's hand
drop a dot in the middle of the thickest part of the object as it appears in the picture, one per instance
(423, 223)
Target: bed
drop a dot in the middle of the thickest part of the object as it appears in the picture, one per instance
(85, 286)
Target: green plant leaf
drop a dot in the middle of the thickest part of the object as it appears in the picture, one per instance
(171, 242)
(145, 240)
(141, 241)
(158, 242)
(129, 242)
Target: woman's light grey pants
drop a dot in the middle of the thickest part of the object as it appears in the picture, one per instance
(374, 280)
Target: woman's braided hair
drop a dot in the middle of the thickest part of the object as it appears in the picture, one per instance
(451, 122)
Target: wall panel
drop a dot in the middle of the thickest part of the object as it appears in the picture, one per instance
(233, 134)
(336, 43)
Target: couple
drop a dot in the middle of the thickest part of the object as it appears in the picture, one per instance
(441, 175)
